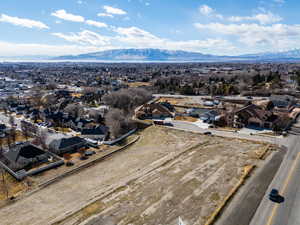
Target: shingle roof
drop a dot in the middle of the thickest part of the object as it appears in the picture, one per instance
(101, 130)
(66, 142)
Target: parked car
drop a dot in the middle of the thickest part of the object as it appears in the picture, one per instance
(207, 133)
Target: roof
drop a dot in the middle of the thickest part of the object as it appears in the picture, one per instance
(282, 101)
(101, 130)
(2, 126)
(24, 153)
(255, 111)
(66, 142)
(155, 108)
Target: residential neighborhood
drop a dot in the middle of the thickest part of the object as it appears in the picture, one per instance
(142, 115)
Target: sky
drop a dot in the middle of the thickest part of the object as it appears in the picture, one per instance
(221, 27)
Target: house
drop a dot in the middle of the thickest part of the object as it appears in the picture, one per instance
(27, 159)
(256, 116)
(196, 112)
(153, 111)
(3, 130)
(282, 102)
(210, 116)
(96, 133)
(25, 156)
(67, 144)
(2, 127)
(209, 103)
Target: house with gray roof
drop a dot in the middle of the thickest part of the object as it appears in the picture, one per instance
(67, 144)
(26, 159)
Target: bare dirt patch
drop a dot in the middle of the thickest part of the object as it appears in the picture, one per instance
(139, 84)
(187, 175)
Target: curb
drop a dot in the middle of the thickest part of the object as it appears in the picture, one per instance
(214, 216)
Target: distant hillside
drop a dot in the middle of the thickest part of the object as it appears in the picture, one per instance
(148, 54)
(288, 55)
(142, 55)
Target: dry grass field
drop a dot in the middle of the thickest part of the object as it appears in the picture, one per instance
(184, 174)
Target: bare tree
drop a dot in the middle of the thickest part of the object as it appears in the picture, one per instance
(118, 122)
(75, 110)
(5, 110)
(41, 138)
(13, 135)
(127, 99)
(8, 141)
(11, 121)
(25, 131)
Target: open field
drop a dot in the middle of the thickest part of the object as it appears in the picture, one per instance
(184, 101)
(138, 84)
(166, 174)
(175, 101)
(188, 182)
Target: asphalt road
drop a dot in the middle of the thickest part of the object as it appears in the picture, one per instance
(246, 201)
(288, 183)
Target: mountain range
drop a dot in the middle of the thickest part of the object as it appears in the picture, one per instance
(180, 56)
(161, 55)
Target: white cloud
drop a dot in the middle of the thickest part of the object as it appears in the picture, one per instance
(84, 37)
(210, 12)
(138, 38)
(105, 15)
(62, 14)
(279, 1)
(96, 23)
(134, 37)
(114, 11)
(262, 18)
(23, 22)
(9, 49)
(206, 10)
(254, 35)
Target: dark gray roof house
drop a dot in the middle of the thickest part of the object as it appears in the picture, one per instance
(2, 127)
(66, 145)
(97, 133)
(282, 101)
(27, 159)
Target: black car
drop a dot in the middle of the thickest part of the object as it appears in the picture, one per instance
(207, 133)
(274, 196)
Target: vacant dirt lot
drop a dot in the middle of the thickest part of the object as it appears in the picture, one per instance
(194, 101)
(189, 184)
(166, 174)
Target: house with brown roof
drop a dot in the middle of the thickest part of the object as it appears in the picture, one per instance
(255, 116)
(153, 111)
